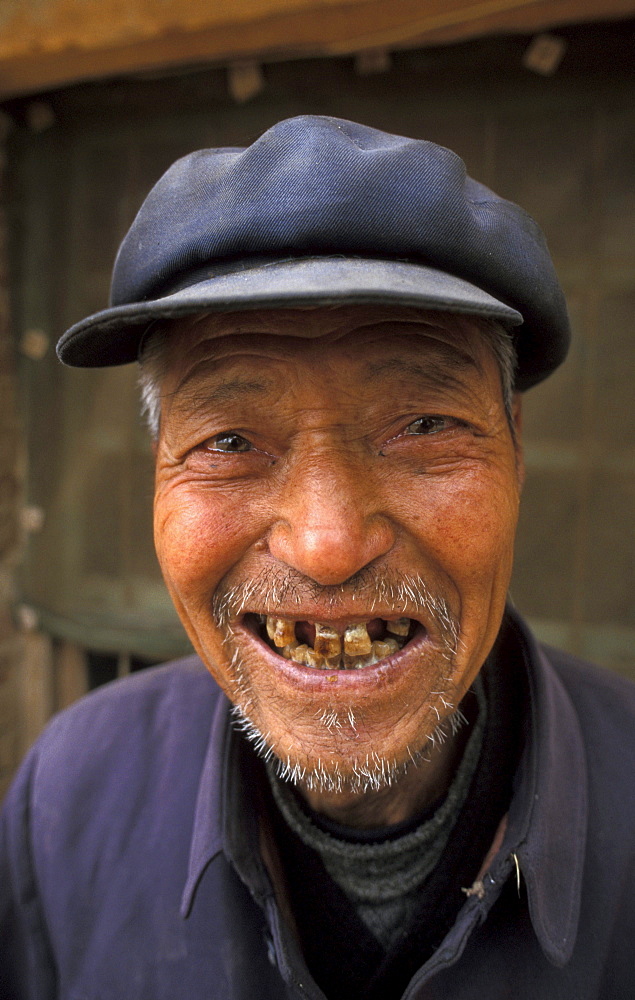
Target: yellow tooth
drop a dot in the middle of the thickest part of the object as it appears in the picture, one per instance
(401, 626)
(327, 641)
(385, 647)
(355, 662)
(381, 649)
(298, 654)
(281, 631)
(313, 659)
(357, 641)
(288, 650)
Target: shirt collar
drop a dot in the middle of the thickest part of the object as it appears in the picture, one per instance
(546, 828)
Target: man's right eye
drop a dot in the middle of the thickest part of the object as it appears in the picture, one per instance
(230, 443)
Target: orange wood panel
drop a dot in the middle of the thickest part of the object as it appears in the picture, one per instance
(50, 43)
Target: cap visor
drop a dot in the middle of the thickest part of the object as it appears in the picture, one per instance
(112, 337)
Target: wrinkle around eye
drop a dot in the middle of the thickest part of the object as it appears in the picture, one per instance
(209, 461)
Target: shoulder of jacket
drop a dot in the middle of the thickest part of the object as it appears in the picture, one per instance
(133, 718)
(589, 684)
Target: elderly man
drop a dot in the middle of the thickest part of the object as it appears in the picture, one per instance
(388, 789)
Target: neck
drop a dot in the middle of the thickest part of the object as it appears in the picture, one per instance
(417, 788)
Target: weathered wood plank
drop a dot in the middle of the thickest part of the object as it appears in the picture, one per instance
(57, 42)
(71, 674)
(36, 688)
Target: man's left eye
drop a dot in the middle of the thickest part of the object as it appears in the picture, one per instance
(231, 443)
(429, 425)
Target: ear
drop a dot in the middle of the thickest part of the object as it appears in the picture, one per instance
(517, 423)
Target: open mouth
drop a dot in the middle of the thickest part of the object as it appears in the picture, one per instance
(329, 647)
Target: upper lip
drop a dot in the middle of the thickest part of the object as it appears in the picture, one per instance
(338, 622)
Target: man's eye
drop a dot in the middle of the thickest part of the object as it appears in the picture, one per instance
(428, 425)
(231, 443)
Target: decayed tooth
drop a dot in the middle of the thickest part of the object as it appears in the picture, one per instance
(313, 659)
(355, 662)
(401, 626)
(383, 648)
(280, 631)
(327, 641)
(298, 654)
(288, 650)
(357, 641)
(364, 661)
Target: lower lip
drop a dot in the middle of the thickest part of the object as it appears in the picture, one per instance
(381, 674)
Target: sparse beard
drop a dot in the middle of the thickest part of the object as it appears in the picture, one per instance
(370, 774)
(372, 771)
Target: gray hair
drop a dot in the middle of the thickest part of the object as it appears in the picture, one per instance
(152, 369)
(153, 364)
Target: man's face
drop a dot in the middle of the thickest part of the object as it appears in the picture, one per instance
(321, 470)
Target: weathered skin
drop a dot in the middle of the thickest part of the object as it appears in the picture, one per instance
(336, 480)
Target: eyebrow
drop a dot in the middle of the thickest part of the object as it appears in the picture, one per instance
(444, 371)
(224, 392)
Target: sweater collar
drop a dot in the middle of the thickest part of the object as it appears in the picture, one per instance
(546, 827)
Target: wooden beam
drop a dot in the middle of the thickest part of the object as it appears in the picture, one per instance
(36, 688)
(52, 43)
(71, 673)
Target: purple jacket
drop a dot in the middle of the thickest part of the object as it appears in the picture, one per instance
(131, 864)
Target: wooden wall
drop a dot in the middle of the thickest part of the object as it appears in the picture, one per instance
(48, 43)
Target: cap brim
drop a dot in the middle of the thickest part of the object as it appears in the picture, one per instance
(112, 337)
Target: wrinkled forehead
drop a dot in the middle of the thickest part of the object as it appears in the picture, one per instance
(343, 334)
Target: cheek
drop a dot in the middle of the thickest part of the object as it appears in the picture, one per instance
(468, 526)
(199, 536)
(467, 529)
(482, 524)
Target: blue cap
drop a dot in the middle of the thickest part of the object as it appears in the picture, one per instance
(322, 211)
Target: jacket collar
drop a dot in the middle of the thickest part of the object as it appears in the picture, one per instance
(208, 835)
(546, 827)
(548, 815)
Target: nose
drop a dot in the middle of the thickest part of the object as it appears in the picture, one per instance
(329, 524)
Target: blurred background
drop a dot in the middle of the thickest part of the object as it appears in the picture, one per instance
(98, 99)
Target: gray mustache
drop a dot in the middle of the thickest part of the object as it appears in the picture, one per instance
(280, 591)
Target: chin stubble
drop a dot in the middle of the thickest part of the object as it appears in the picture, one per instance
(409, 595)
